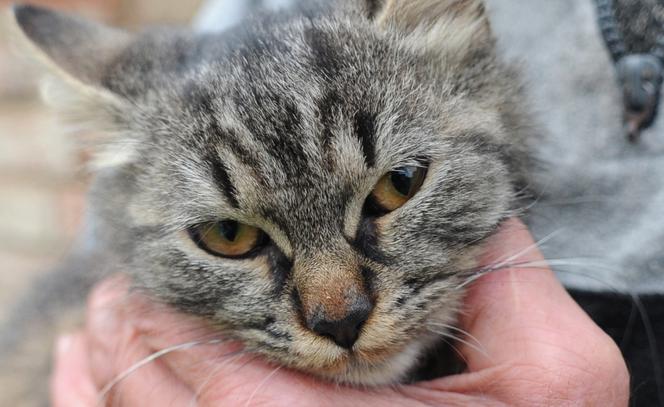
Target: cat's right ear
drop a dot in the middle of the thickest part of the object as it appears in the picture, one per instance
(76, 48)
(79, 53)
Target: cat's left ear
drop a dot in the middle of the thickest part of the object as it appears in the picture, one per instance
(451, 27)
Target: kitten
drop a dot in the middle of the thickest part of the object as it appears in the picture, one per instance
(316, 183)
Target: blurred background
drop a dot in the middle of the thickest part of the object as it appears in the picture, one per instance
(43, 177)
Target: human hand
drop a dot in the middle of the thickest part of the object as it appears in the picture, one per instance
(537, 348)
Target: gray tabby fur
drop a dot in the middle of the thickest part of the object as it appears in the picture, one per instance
(287, 123)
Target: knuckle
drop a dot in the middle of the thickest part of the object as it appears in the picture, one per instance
(107, 293)
(593, 376)
(601, 379)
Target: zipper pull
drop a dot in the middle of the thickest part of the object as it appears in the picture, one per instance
(640, 77)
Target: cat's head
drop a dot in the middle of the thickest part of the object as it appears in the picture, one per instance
(317, 185)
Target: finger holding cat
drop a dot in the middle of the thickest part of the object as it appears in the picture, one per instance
(526, 326)
(209, 372)
(113, 343)
(72, 384)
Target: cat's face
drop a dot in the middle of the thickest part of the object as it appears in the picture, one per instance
(317, 187)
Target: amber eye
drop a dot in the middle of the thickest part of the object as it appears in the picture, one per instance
(397, 187)
(227, 238)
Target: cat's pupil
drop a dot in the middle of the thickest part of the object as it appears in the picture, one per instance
(229, 230)
(402, 180)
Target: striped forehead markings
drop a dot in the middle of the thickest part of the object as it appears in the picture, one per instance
(223, 179)
(365, 130)
(363, 124)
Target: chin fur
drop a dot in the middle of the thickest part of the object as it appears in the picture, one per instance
(394, 370)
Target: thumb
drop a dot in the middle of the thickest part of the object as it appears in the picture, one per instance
(520, 310)
(531, 343)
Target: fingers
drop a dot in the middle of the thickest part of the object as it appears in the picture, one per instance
(104, 363)
(106, 327)
(143, 384)
(72, 384)
(528, 330)
(510, 309)
(124, 331)
(167, 358)
(118, 320)
(120, 327)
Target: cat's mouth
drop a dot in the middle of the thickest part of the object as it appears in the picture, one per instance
(369, 363)
(426, 358)
(373, 367)
(390, 348)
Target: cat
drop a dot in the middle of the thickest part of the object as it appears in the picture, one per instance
(312, 182)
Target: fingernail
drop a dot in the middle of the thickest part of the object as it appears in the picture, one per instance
(63, 344)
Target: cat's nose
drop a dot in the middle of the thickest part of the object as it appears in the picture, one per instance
(345, 331)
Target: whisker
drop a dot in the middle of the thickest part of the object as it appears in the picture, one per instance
(456, 350)
(249, 360)
(577, 201)
(541, 264)
(576, 262)
(531, 247)
(261, 384)
(453, 337)
(472, 278)
(233, 357)
(525, 193)
(501, 263)
(457, 329)
(149, 359)
(652, 343)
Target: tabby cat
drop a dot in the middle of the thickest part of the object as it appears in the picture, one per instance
(316, 183)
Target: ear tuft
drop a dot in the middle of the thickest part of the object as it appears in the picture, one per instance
(454, 26)
(409, 14)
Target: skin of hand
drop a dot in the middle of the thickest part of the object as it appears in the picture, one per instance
(538, 348)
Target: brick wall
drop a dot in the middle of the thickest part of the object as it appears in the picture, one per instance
(42, 176)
